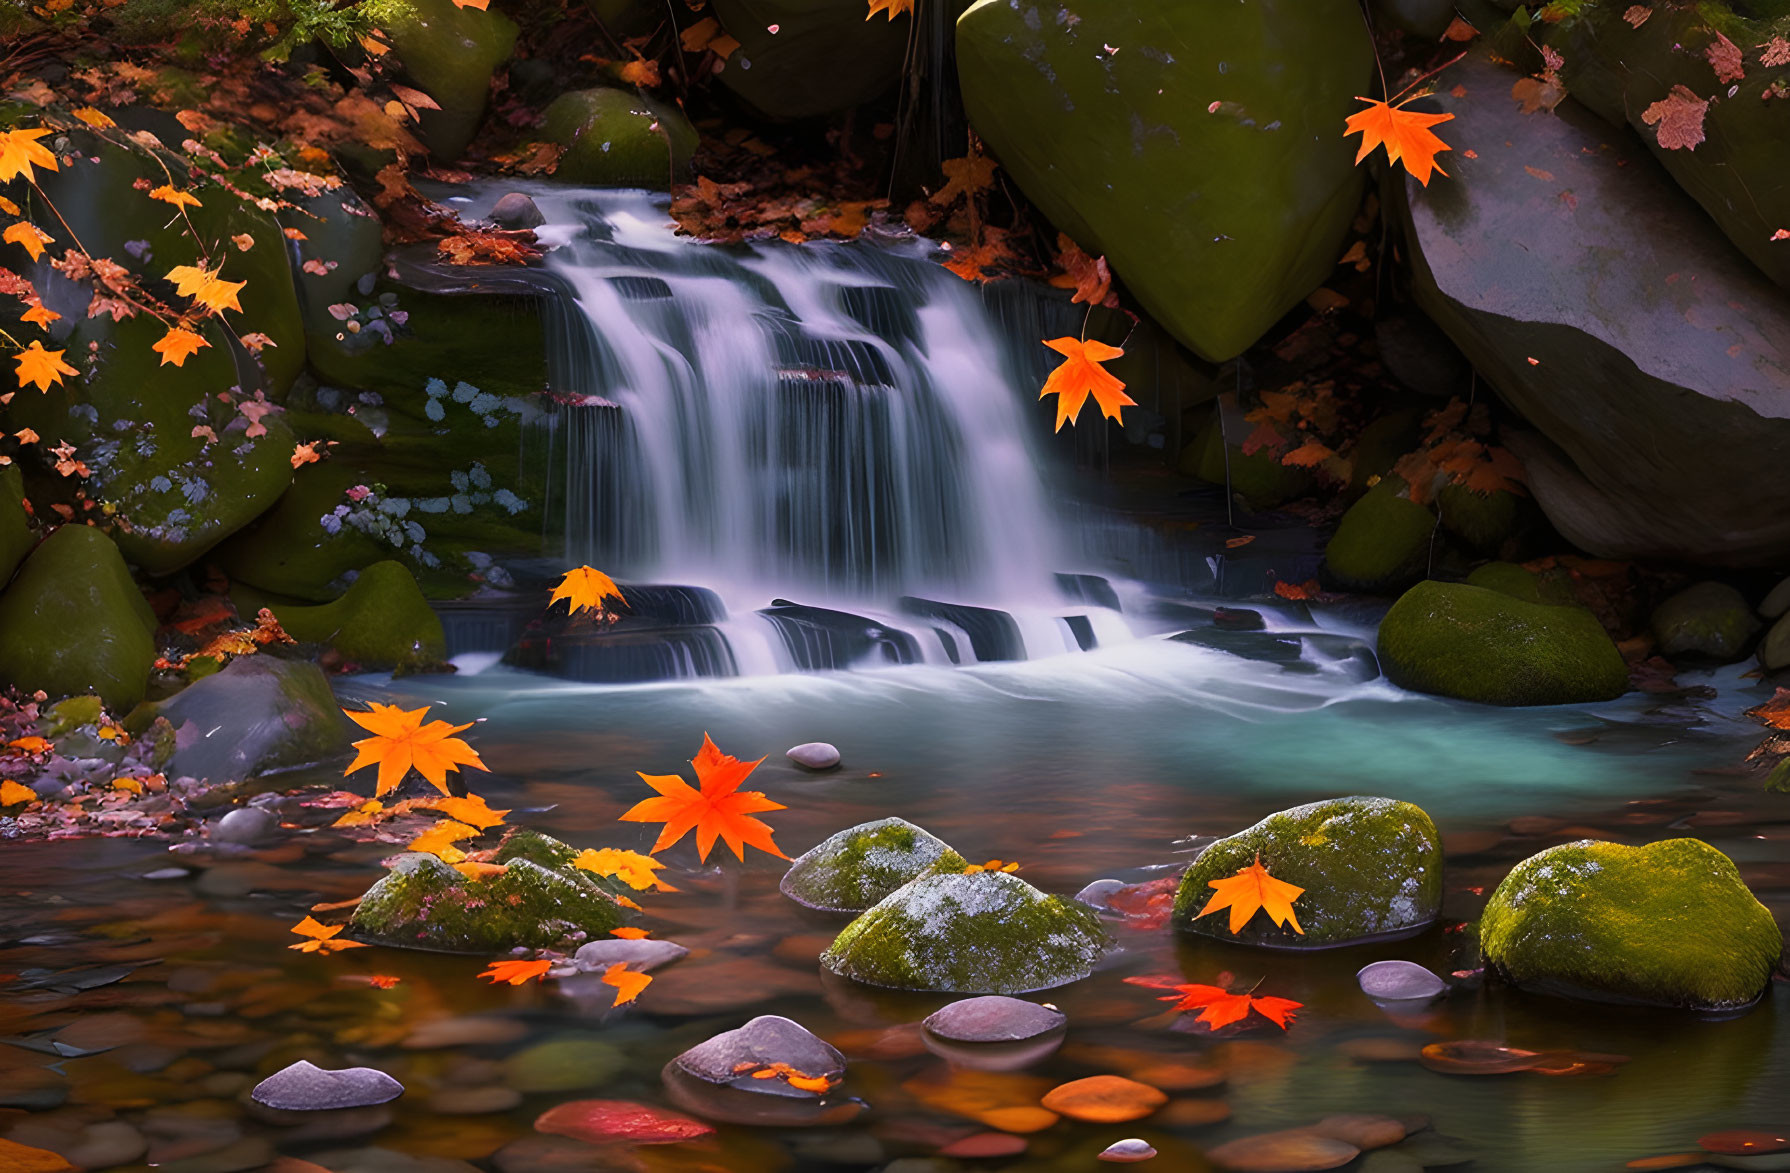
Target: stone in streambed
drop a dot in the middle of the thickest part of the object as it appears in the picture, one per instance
(247, 826)
(305, 1087)
(814, 755)
(642, 955)
(73, 622)
(422, 903)
(516, 210)
(766, 1041)
(381, 620)
(1128, 1150)
(1292, 1151)
(982, 933)
(16, 536)
(257, 715)
(617, 138)
(1383, 543)
(994, 1019)
(1709, 621)
(855, 868)
(1399, 981)
(1370, 867)
(1670, 923)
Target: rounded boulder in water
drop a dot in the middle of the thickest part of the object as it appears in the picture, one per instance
(1128, 1150)
(516, 210)
(994, 1018)
(1399, 981)
(815, 755)
(246, 826)
(305, 1087)
(768, 1041)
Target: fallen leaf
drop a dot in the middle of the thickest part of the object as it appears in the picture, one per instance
(321, 937)
(400, 741)
(27, 236)
(20, 151)
(630, 867)
(471, 810)
(168, 194)
(1679, 117)
(13, 794)
(303, 454)
(1774, 712)
(1724, 57)
(41, 368)
(720, 808)
(584, 589)
(1296, 590)
(627, 983)
(206, 287)
(516, 972)
(178, 345)
(1252, 888)
(1405, 134)
(1081, 375)
(439, 840)
(630, 933)
(893, 8)
(1637, 14)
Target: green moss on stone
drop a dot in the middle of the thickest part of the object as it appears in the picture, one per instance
(1383, 542)
(1482, 521)
(987, 933)
(1710, 620)
(64, 717)
(1507, 578)
(383, 620)
(74, 622)
(1261, 480)
(16, 536)
(1370, 867)
(1670, 923)
(1452, 639)
(450, 52)
(857, 867)
(804, 58)
(422, 903)
(615, 138)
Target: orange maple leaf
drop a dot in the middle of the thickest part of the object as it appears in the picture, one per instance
(321, 937)
(178, 345)
(1405, 133)
(584, 589)
(516, 972)
(31, 745)
(1089, 276)
(27, 236)
(1219, 1006)
(627, 983)
(1080, 376)
(20, 150)
(993, 865)
(630, 933)
(169, 194)
(471, 810)
(1774, 712)
(13, 794)
(893, 7)
(382, 981)
(400, 740)
(630, 867)
(303, 454)
(720, 808)
(439, 840)
(1252, 888)
(41, 368)
(206, 288)
(39, 314)
(1297, 590)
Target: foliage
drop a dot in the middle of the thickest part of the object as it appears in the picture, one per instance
(1081, 375)
(1218, 1006)
(1253, 888)
(321, 938)
(400, 741)
(1405, 134)
(585, 589)
(718, 809)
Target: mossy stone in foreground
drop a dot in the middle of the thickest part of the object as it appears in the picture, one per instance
(422, 903)
(615, 138)
(383, 619)
(987, 933)
(74, 622)
(1382, 543)
(860, 865)
(1670, 923)
(1370, 867)
(1451, 639)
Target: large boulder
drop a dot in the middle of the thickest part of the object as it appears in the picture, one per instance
(855, 868)
(1626, 325)
(1195, 144)
(1708, 621)
(1370, 867)
(382, 620)
(1475, 644)
(803, 58)
(616, 138)
(1383, 543)
(1670, 923)
(1215, 455)
(74, 622)
(422, 903)
(450, 51)
(982, 933)
(257, 715)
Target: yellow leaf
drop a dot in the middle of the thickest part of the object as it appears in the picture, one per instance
(630, 867)
(627, 983)
(320, 937)
(366, 812)
(585, 589)
(39, 314)
(28, 236)
(439, 840)
(94, 118)
(12, 794)
(400, 740)
(1252, 888)
(471, 810)
(168, 194)
(206, 288)
(1080, 376)
(20, 151)
(127, 784)
(177, 345)
(41, 367)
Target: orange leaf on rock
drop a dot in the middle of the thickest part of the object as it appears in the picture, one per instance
(627, 983)
(206, 287)
(584, 589)
(41, 368)
(13, 794)
(1679, 119)
(1774, 712)
(1297, 590)
(39, 314)
(1252, 888)
(630, 933)
(400, 740)
(630, 867)
(27, 236)
(1405, 134)
(516, 972)
(169, 194)
(178, 345)
(303, 454)
(719, 808)
(964, 177)
(1090, 277)
(1080, 376)
(439, 840)
(20, 151)
(471, 810)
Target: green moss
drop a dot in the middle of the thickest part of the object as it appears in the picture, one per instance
(1380, 445)
(1452, 639)
(450, 52)
(383, 619)
(1710, 621)
(1670, 923)
(1507, 578)
(857, 867)
(1370, 867)
(988, 933)
(614, 138)
(64, 717)
(1261, 480)
(73, 622)
(16, 536)
(1383, 542)
(1483, 521)
(423, 903)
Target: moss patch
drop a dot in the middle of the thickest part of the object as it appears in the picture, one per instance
(1452, 639)
(1709, 621)
(988, 933)
(615, 138)
(382, 620)
(74, 622)
(1507, 578)
(1369, 866)
(860, 865)
(16, 538)
(1383, 542)
(423, 903)
(1670, 923)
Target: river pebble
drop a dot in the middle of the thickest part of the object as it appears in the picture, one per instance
(642, 955)
(1104, 1099)
(305, 1087)
(1126, 1151)
(1293, 1151)
(994, 1019)
(1397, 981)
(814, 755)
(246, 826)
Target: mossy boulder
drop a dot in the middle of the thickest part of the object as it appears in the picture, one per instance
(805, 58)
(1774, 649)
(1708, 621)
(854, 869)
(1462, 641)
(74, 622)
(1670, 923)
(259, 714)
(16, 536)
(450, 52)
(1219, 217)
(1370, 867)
(987, 933)
(1216, 456)
(1383, 542)
(1507, 578)
(422, 903)
(1482, 522)
(382, 620)
(615, 138)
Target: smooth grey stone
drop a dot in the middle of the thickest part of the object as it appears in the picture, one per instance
(1130, 1149)
(167, 874)
(105, 1144)
(246, 825)
(1777, 602)
(516, 210)
(994, 1018)
(643, 955)
(305, 1087)
(763, 1042)
(1398, 981)
(814, 755)
(1098, 893)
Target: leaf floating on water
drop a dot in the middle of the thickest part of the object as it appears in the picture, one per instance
(322, 937)
(1220, 1007)
(516, 972)
(718, 810)
(627, 983)
(400, 741)
(471, 810)
(1252, 888)
(1739, 1142)
(584, 589)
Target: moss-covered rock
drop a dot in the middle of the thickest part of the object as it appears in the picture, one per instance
(1383, 542)
(73, 622)
(422, 903)
(1670, 923)
(382, 620)
(257, 715)
(1216, 456)
(615, 138)
(1507, 578)
(1456, 640)
(450, 52)
(16, 536)
(1370, 867)
(1774, 649)
(804, 58)
(850, 871)
(1708, 621)
(1218, 218)
(987, 933)
(1482, 521)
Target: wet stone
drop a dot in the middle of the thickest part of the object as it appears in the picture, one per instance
(1398, 981)
(765, 1041)
(994, 1019)
(246, 826)
(1104, 1099)
(814, 755)
(305, 1087)
(516, 210)
(105, 1144)
(1126, 1151)
(642, 955)
(983, 1145)
(1362, 1130)
(1283, 1152)
(563, 1064)
(620, 1121)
